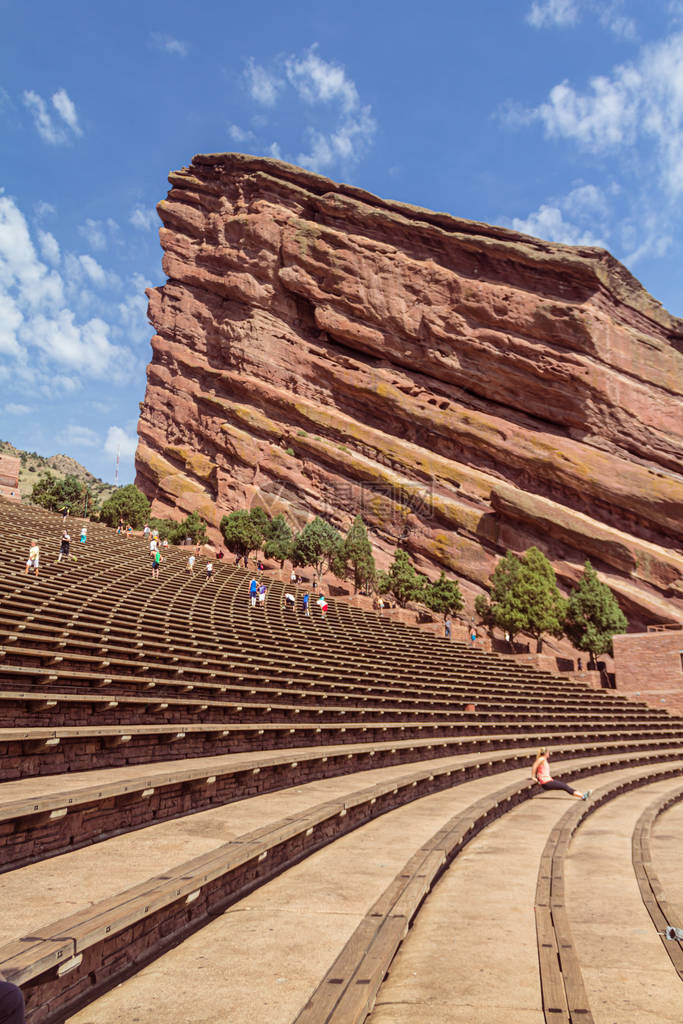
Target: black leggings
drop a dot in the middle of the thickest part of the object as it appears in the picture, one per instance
(11, 1004)
(555, 784)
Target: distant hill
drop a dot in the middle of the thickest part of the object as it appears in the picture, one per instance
(34, 465)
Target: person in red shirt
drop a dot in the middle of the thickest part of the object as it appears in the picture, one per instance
(540, 773)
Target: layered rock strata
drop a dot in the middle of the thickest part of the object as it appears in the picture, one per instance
(467, 389)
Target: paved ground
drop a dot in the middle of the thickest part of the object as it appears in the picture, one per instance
(666, 847)
(260, 961)
(471, 957)
(628, 976)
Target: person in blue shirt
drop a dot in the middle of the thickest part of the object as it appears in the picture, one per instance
(304, 604)
(252, 592)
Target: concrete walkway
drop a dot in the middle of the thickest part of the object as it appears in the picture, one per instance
(259, 962)
(471, 957)
(666, 847)
(629, 978)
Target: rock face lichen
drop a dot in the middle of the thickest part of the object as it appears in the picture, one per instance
(467, 389)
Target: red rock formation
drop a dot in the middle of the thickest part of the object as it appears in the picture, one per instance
(466, 388)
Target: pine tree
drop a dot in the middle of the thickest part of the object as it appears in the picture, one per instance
(358, 552)
(405, 582)
(127, 503)
(593, 615)
(544, 607)
(504, 609)
(524, 597)
(278, 539)
(444, 596)
(242, 535)
(316, 545)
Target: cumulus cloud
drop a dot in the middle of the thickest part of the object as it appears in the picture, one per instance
(240, 135)
(49, 247)
(638, 103)
(320, 81)
(262, 85)
(99, 233)
(43, 209)
(169, 44)
(17, 409)
(142, 219)
(94, 272)
(338, 127)
(133, 310)
(578, 218)
(553, 12)
(76, 436)
(117, 439)
(38, 329)
(53, 129)
(567, 13)
(548, 222)
(66, 109)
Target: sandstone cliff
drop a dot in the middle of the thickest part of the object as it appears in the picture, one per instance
(466, 388)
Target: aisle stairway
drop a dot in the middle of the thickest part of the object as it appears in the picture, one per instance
(167, 750)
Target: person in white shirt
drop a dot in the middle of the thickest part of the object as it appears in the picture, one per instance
(33, 558)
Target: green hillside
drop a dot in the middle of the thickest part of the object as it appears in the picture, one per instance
(33, 466)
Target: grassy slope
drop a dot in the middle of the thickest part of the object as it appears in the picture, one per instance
(32, 466)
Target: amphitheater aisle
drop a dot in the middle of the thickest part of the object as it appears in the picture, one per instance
(626, 971)
(471, 957)
(667, 855)
(265, 955)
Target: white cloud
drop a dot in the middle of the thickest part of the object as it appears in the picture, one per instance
(143, 220)
(240, 135)
(117, 439)
(553, 12)
(640, 102)
(133, 311)
(337, 126)
(43, 209)
(16, 409)
(85, 347)
(49, 247)
(21, 273)
(567, 13)
(548, 222)
(647, 238)
(64, 106)
(76, 436)
(579, 218)
(57, 130)
(169, 44)
(263, 86)
(99, 233)
(93, 270)
(37, 327)
(320, 81)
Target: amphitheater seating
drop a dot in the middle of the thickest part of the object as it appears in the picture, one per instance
(205, 753)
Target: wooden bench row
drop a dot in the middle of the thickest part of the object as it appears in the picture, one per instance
(564, 994)
(37, 826)
(63, 966)
(663, 912)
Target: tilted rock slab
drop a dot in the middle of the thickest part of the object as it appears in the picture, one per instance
(465, 388)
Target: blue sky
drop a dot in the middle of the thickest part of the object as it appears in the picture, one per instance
(561, 118)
